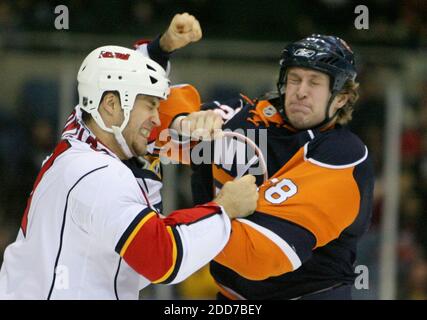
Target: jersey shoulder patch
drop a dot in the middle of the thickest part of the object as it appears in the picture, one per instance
(336, 149)
(267, 113)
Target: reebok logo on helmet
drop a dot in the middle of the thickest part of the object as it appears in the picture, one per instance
(303, 52)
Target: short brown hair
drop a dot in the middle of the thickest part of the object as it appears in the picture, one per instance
(344, 114)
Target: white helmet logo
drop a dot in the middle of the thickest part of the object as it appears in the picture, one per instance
(303, 52)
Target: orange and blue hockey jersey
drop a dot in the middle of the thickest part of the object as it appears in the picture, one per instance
(311, 211)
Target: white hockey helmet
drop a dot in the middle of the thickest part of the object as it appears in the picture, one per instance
(129, 72)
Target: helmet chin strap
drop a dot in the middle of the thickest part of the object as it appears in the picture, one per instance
(118, 135)
(327, 118)
(116, 131)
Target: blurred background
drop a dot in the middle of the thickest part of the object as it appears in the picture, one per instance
(239, 53)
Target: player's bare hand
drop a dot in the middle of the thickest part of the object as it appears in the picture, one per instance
(183, 29)
(239, 197)
(201, 125)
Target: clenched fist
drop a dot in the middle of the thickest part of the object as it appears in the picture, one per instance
(201, 125)
(183, 29)
(239, 197)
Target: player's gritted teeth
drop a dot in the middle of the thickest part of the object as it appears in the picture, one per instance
(145, 132)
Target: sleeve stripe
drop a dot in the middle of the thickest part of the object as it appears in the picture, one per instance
(152, 251)
(192, 215)
(133, 229)
(330, 166)
(178, 261)
(174, 256)
(282, 244)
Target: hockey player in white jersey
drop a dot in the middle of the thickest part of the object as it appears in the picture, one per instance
(93, 228)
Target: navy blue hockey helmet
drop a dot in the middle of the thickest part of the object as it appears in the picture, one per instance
(327, 54)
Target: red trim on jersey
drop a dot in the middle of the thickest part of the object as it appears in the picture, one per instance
(192, 215)
(63, 146)
(72, 125)
(151, 251)
(154, 250)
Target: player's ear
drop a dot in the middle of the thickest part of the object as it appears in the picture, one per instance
(110, 103)
(340, 100)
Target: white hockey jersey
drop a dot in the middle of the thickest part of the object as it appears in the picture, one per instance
(91, 229)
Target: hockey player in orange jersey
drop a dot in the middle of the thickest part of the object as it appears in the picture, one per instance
(301, 242)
